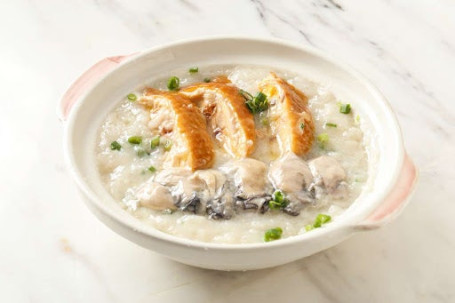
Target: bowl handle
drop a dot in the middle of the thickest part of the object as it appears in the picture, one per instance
(396, 200)
(86, 81)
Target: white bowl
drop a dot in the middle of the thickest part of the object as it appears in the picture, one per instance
(95, 93)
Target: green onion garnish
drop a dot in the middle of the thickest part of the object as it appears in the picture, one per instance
(322, 139)
(167, 145)
(206, 80)
(273, 234)
(193, 70)
(357, 119)
(279, 200)
(132, 97)
(152, 169)
(255, 104)
(320, 220)
(141, 152)
(309, 227)
(155, 142)
(302, 125)
(345, 108)
(135, 140)
(261, 101)
(115, 145)
(245, 94)
(328, 124)
(173, 83)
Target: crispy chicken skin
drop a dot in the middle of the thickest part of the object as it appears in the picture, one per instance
(290, 117)
(228, 118)
(175, 116)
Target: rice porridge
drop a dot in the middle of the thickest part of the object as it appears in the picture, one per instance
(233, 154)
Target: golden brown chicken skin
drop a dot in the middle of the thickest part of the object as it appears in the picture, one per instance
(290, 117)
(176, 118)
(228, 118)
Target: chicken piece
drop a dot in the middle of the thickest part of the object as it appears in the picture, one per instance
(328, 174)
(175, 117)
(290, 117)
(228, 118)
(155, 196)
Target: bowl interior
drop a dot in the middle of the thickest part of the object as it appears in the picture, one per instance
(385, 143)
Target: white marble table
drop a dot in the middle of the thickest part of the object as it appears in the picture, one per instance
(52, 249)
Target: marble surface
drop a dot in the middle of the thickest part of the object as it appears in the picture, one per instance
(53, 249)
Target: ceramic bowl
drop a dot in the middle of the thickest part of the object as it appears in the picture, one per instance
(93, 95)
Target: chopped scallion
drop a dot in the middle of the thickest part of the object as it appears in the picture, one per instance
(167, 145)
(322, 139)
(257, 103)
(320, 220)
(132, 97)
(278, 196)
(140, 152)
(345, 108)
(309, 227)
(152, 169)
(135, 140)
(329, 124)
(173, 83)
(115, 145)
(193, 70)
(273, 234)
(261, 97)
(279, 200)
(155, 142)
(206, 80)
(302, 125)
